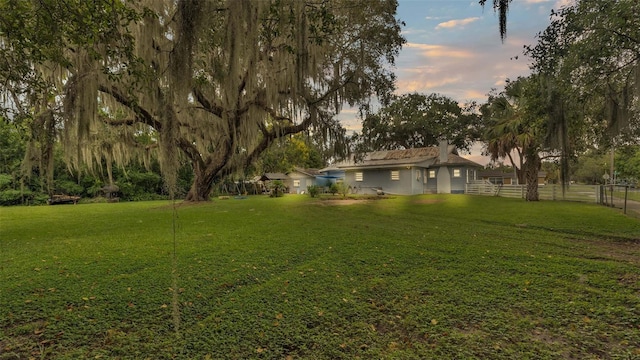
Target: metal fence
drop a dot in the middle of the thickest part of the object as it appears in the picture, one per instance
(620, 196)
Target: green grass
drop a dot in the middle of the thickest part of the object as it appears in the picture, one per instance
(442, 277)
(632, 194)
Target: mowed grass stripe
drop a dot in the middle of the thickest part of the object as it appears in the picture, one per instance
(294, 277)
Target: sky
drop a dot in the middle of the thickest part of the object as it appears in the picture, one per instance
(454, 49)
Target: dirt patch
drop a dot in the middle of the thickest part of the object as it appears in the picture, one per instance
(612, 250)
(341, 202)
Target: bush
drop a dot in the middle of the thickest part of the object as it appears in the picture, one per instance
(313, 190)
(343, 189)
(68, 187)
(11, 197)
(138, 186)
(39, 199)
(5, 181)
(277, 188)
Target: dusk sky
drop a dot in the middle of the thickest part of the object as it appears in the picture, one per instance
(453, 48)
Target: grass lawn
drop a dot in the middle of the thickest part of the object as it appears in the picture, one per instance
(442, 277)
(632, 194)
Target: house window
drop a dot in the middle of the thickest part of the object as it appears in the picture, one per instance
(395, 175)
(432, 174)
(456, 172)
(359, 176)
(296, 183)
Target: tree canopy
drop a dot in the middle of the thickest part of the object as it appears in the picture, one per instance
(591, 51)
(417, 120)
(583, 93)
(218, 80)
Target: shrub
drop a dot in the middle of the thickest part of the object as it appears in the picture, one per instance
(277, 188)
(5, 181)
(12, 197)
(68, 187)
(313, 190)
(343, 189)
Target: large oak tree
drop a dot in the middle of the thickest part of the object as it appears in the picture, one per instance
(216, 81)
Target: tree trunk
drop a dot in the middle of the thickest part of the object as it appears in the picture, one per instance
(532, 166)
(202, 185)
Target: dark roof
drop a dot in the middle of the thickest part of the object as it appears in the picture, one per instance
(455, 159)
(274, 176)
(427, 156)
(308, 172)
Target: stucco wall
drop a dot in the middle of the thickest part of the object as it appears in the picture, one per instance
(381, 178)
(303, 179)
(409, 182)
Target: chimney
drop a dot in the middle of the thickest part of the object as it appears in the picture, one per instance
(444, 151)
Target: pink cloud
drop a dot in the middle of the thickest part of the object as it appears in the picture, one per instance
(430, 50)
(456, 23)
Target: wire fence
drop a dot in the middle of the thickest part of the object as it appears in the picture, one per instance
(620, 196)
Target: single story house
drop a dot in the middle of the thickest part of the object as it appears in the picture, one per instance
(412, 171)
(300, 179)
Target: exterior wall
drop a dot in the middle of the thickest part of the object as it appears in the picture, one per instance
(459, 182)
(431, 187)
(417, 177)
(373, 179)
(444, 180)
(412, 181)
(302, 182)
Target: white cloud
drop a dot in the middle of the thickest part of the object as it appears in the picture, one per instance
(456, 23)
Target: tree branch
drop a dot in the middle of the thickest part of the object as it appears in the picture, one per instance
(142, 114)
(206, 104)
